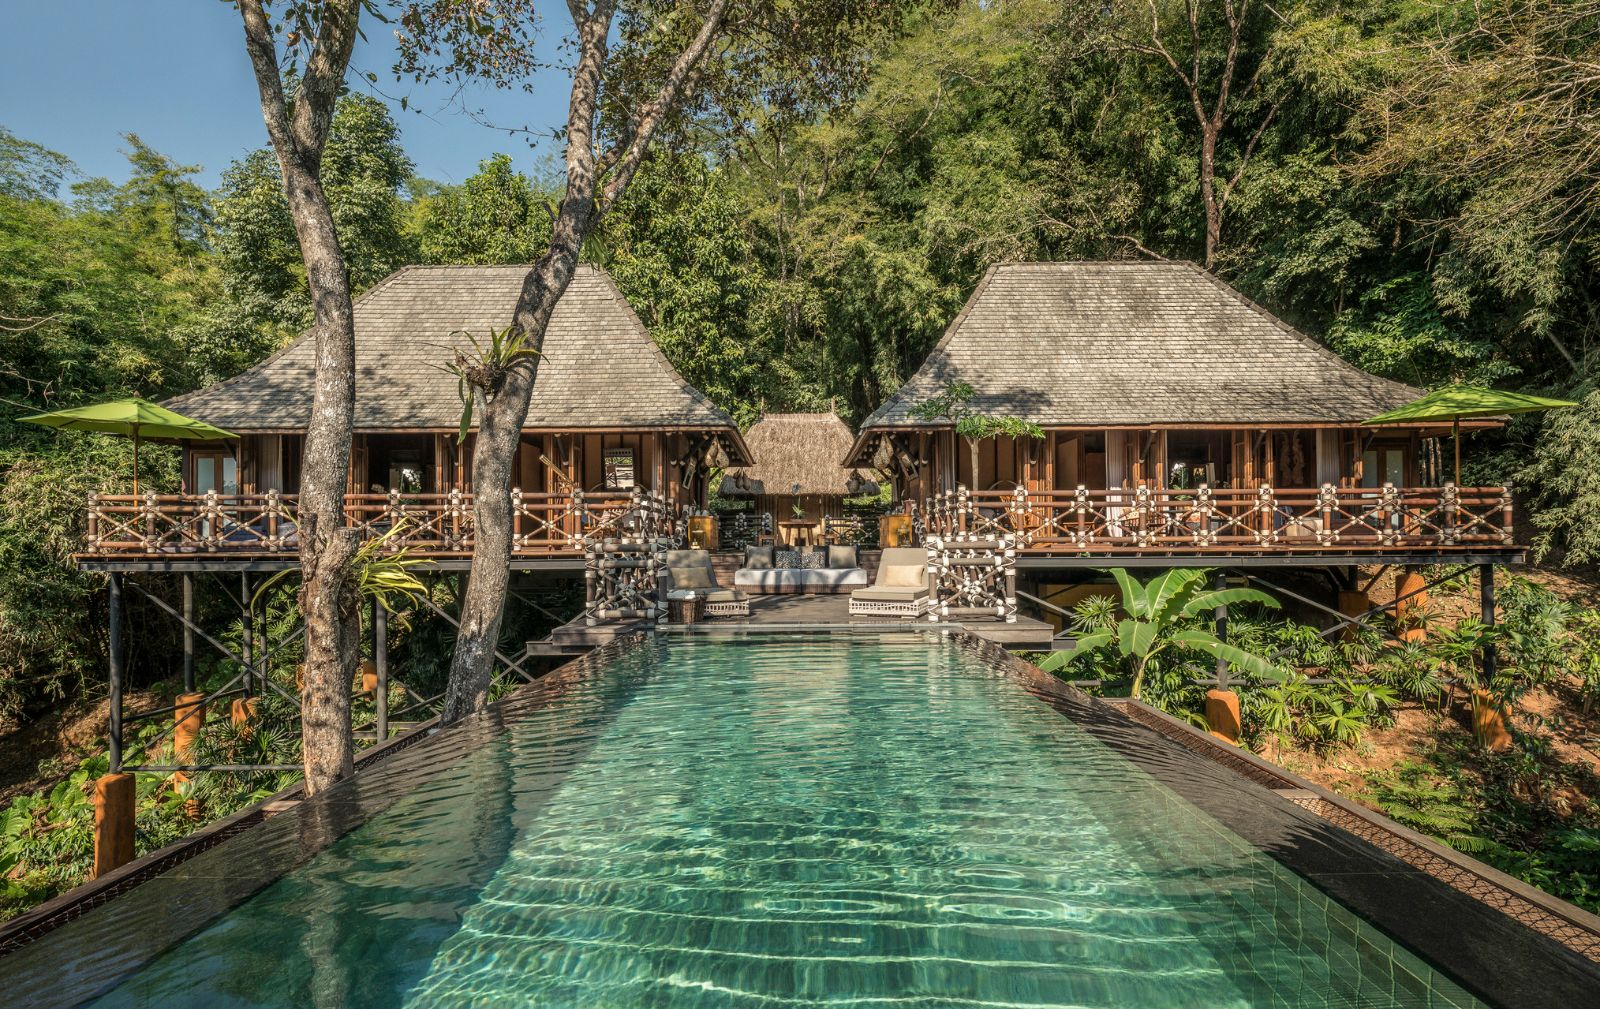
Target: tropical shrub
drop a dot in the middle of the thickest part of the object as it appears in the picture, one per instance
(1158, 623)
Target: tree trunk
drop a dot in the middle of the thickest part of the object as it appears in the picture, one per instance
(299, 132)
(327, 592)
(1208, 192)
(505, 406)
(499, 434)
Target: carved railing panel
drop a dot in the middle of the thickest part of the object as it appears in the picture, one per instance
(427, 524)
(1224, 520)
(737, 530)
(975, 574)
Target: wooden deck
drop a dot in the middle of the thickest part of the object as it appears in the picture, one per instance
(797, 614)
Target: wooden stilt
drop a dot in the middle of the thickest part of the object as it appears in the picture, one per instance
(114, 796)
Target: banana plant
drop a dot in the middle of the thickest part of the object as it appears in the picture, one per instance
(1162, 616)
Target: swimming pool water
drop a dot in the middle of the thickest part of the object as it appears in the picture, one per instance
(782, 823)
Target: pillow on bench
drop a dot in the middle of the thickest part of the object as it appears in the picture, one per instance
(758, 558)
(691, 578)
(903, 576)
(842, 557)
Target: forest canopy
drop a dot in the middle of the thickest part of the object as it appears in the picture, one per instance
(1410, 181)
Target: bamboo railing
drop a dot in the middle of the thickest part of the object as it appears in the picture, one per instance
(438, 525)
(1222, 521)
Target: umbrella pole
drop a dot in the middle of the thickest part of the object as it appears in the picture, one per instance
(136, 460)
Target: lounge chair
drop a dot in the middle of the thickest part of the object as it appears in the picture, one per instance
(901, 588)
(690, 572)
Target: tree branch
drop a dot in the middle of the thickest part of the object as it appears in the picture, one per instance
(656, 111)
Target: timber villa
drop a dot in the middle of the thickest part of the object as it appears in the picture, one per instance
(1182, 424)
(612, 428)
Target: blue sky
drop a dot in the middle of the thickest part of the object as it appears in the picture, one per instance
(77, 74)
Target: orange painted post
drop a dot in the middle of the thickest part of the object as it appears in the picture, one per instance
(369, 676)
(1222, 714)
(1489, 722)
(1353, 603)
(243, 713)
(191, 717)
(1411, 599)
(113, 823)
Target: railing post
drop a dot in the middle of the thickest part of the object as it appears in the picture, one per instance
(1507, 520)
(1449, 509)
(93, 532)
(516, 519)
(1327, 500)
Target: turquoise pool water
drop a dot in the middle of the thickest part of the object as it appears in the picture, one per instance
(787, 823)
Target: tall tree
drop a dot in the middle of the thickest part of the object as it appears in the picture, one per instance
(1221, 68)
(298, 128)
(363, 171)
(641, 69)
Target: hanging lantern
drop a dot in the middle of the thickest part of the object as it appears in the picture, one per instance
(882, 454)
(716, 455)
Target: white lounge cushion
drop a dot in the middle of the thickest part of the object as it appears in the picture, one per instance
(890, 594)
(710, 596)
(770, 579)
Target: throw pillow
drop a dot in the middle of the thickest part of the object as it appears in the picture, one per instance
(788, 558)
(812, 559)
(904, 576)
(758, 558)
(691, 578)
(842, 557)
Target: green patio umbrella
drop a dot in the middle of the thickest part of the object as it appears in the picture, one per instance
(134, 418)
(1462, 402)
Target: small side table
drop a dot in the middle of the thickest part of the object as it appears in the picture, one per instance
(687, 611)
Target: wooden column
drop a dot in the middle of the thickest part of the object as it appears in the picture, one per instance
(246, 645)
(116, 650)
(113, 823)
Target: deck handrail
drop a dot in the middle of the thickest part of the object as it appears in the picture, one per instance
(1219, 520)
(431, 524)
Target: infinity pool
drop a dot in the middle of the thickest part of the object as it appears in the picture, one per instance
(769, 823)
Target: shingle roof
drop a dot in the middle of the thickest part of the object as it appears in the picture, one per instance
(600, 367)
(794, 448)
(1134, 343)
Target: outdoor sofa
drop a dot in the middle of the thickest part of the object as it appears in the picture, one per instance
(832, 569)
(902, 587)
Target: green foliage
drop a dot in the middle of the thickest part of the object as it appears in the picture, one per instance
(497, 216)
(1562, 481)
(364, 171)
(677, 247)
(1161, 619)
(1525, 812)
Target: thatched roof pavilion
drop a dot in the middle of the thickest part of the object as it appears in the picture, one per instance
(798, 462)
(796, 454)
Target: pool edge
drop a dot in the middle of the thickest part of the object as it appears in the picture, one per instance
(38, 922)
(1560, 921)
